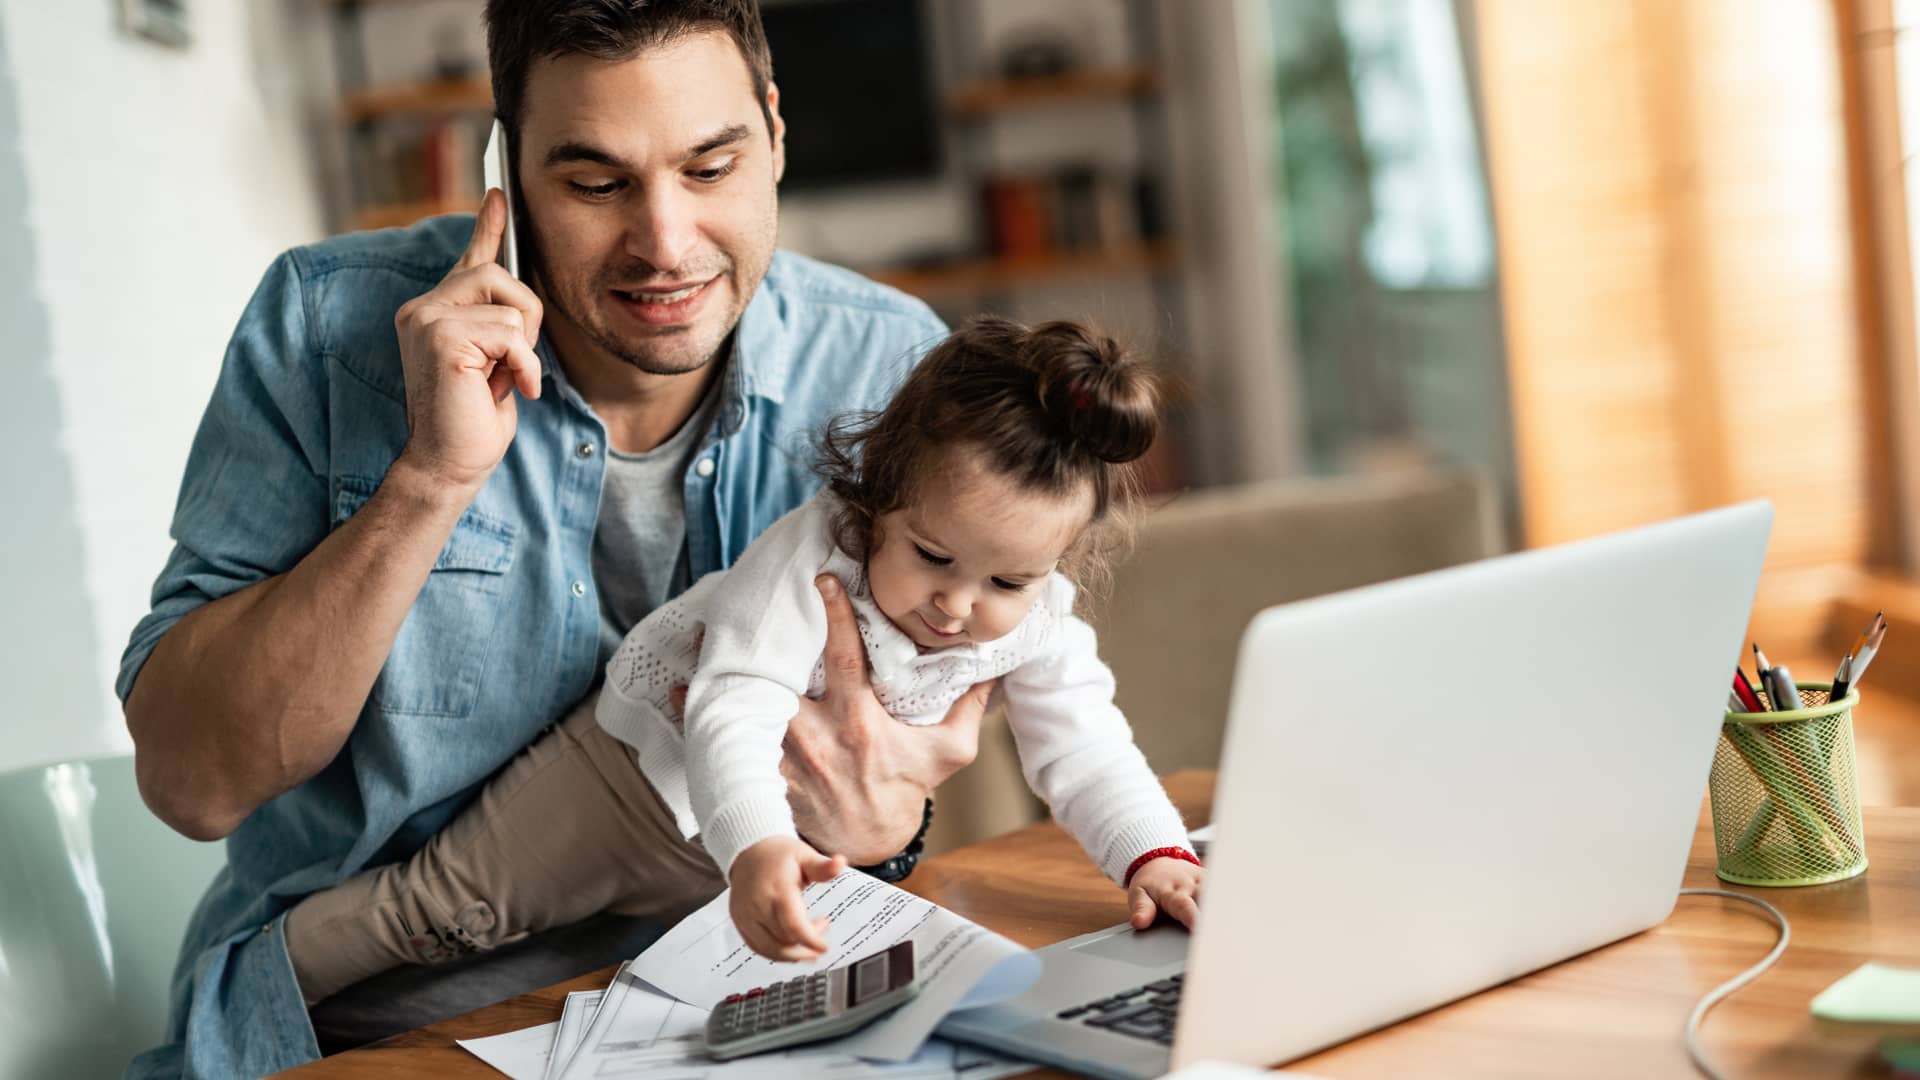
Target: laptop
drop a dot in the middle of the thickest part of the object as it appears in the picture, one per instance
(1427, 787)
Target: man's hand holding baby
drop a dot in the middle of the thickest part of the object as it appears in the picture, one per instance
(856, 777)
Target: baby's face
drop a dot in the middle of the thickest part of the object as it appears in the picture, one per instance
(966, 562)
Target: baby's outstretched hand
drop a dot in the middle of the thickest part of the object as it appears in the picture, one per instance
(766, 904)
(1165, 884)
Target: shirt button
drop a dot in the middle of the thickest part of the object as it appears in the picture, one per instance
(704, 467)
(579, 588)
(585, 450)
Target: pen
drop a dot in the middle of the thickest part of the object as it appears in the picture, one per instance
(1842, 681)
(1743, 697)
(1780, 688)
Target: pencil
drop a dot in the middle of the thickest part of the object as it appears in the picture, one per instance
(1865, 656)
(1861, 641)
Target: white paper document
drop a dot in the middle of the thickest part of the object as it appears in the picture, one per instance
(631, 1022)
(521, 1054)
(575, 1014)
(961, 964)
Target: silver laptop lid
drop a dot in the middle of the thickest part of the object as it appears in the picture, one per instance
(1434, 785)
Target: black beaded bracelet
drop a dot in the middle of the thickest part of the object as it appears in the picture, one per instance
(898, 867)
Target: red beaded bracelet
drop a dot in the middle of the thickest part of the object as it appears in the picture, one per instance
(1157, 853)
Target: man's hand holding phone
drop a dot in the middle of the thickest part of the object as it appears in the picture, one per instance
(465, 346)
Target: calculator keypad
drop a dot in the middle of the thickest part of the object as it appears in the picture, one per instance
(773, 1007)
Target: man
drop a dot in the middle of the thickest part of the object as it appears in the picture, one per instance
(401, 555)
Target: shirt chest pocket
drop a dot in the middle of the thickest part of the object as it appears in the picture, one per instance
(440, 655)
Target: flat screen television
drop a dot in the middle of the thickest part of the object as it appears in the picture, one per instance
(856, 90)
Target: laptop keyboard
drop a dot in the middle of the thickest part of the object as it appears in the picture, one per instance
(1145, 1012)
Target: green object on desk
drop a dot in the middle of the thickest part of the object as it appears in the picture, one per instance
(1872, 994)
(1786, 807)
(1903, 1055)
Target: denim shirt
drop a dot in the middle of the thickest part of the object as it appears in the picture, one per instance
(307, 415)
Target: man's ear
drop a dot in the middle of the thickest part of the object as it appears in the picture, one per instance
(779, 132)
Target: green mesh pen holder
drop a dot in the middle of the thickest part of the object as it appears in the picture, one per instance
(1786, 802)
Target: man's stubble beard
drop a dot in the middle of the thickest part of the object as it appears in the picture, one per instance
(650, 361)
(534, 266)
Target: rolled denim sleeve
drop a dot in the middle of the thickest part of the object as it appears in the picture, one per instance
(253, 501)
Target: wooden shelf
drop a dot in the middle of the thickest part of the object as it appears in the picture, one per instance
(999, 95)
(1067, 267)
(461, 95)
(400, 214)
(969, 99)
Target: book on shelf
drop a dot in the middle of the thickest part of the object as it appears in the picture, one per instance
(437, 162)
(1081, 208)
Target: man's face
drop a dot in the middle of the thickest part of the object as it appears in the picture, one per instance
(650, 186)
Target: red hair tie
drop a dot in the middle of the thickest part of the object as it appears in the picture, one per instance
(1081, 399)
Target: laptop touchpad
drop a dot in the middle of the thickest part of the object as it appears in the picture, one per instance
(1159, 946)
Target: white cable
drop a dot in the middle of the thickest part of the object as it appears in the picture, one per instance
(1726, 989)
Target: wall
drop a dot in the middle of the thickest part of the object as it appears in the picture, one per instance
(47, 639)
(1671, 191)
(142, 192)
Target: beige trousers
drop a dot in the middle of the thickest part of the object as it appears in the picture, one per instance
(570, 828)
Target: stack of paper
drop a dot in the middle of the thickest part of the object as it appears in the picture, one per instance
(651, 1020)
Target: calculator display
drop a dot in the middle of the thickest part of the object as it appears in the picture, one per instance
(869, 979)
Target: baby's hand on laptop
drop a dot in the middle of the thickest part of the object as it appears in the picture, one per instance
(1165, 885)
(766, 904)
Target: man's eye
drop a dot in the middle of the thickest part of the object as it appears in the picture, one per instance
(712, 175)
(930, 557)
(595, 191)
(1010, 586)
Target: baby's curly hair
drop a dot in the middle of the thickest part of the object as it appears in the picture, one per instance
(1051, 407)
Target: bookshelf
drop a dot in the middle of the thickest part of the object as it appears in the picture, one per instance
(1000, 274)
(972, 100)
(416, 99)
(1059, 219)
(412, 148)
(979, 98)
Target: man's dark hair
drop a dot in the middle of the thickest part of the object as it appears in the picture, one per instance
(520, 31)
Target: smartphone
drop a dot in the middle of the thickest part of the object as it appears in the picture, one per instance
(497, 172)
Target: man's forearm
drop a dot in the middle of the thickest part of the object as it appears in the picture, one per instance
(255, 692)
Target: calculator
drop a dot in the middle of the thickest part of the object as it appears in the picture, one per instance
(812, 1007)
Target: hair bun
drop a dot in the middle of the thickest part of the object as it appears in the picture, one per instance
(1100, 398)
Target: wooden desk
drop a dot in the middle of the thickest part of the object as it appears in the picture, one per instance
(1613, 1013)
